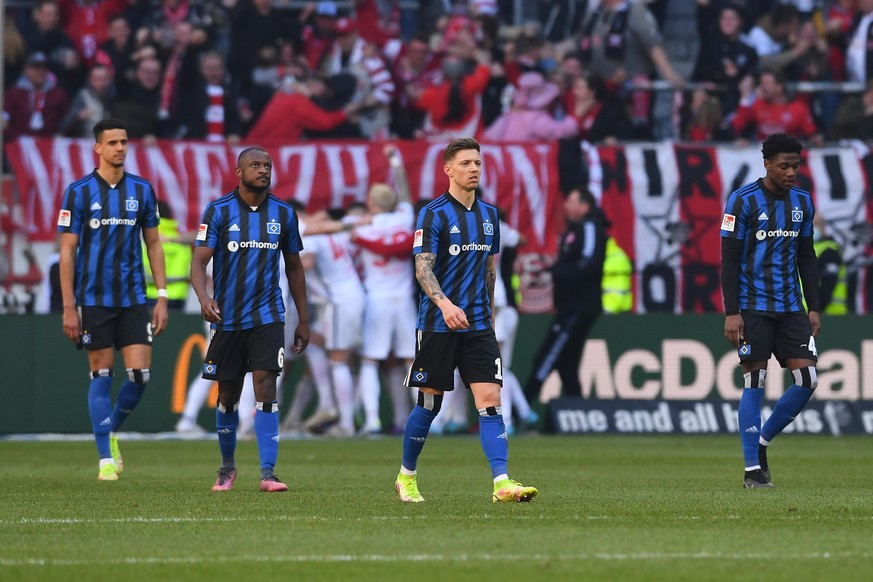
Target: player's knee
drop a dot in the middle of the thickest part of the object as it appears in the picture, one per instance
(754, 379)
(230, 409)
(806, 377)
(102, 373)
(139, 375)
(432, 402)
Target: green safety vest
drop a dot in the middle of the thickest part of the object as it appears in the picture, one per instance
(838, 305)
(177, 257)
(617, 279)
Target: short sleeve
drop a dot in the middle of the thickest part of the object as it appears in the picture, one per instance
(70, 215)
(427, 232)
(292, 243)
(207, 232)
(150, 217)
(733, 222)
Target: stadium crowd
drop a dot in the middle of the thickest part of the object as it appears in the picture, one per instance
(261, 70)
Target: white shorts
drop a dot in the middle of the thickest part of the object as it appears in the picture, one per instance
(341, 323)
(389, 327)
(505, 326)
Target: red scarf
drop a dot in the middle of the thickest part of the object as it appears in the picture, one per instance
(215, 113)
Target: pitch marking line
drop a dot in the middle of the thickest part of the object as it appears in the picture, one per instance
(313, 518)
(642, 556)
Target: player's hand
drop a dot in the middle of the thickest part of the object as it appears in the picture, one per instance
(72, 324)
(160, 317)
(453, 315)
(210, 311)
(301, 337)
(733, 329)
(815, 322)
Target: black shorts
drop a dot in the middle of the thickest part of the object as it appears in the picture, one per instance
(105, 327)
(233, 353)
(785, 335)
(475, 354)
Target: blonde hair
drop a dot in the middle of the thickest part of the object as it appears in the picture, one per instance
(383, 196)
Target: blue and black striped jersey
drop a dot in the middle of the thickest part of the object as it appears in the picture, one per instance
(109, 223)
(245, 265)
(461, 239)
(770, 227)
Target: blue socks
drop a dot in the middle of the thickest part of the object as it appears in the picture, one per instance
(128, 397)
(749, 417)
(267, 433)
(415, 434)
(225, 426)
(492, 434)
(100, 407)
(787, 407)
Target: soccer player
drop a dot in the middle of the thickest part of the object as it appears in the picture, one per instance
(389, 317)
(767, 239)
(244, 233)
(103, 218)
(456, 238)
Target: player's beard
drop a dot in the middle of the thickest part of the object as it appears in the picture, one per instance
(257, 186)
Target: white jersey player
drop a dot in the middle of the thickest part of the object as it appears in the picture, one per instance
(390, 314)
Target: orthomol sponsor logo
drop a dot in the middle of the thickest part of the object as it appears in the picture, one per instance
(457, 249)
(234, 246)
(98, 222)
(762, 234)
(688, 369)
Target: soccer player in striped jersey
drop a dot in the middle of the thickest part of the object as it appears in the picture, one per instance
(456, 238)
(767, 241)
(244, 233)
(102, 221)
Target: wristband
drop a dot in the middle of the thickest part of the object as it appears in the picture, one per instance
(163, 293)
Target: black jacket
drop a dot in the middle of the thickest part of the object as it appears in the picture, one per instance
(578, 270)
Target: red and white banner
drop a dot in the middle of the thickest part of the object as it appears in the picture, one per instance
(521, 179)
(665, 200)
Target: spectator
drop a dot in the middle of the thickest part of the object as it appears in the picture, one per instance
(87, 22)
(773, 112)
(117, 52)
(255, 24)
(453, 107)
(211, 111)
(415, 67)
(859, 60)
(333, 94)
(91, 104)
(318, 32)
(529, 119)
(35, 105)
(287, 115)
(352, 54)
(139, 109)
(46, 36)
(724, 59)
(601, 119)
(620, 42)
(14, 50)
(839, 21)
(702, 118)
(776, 38)
(854, 117)
(180, 76)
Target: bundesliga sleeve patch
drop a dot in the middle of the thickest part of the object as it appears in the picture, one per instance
(64, 218)
(729, 222)
(419, 234)
(201, 232)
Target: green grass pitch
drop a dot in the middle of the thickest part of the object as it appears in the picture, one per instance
(610, 508)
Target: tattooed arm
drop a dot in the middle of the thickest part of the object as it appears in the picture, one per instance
(490, 281)
(453, 315)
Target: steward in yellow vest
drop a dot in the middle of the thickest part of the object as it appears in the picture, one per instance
(617, 282)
